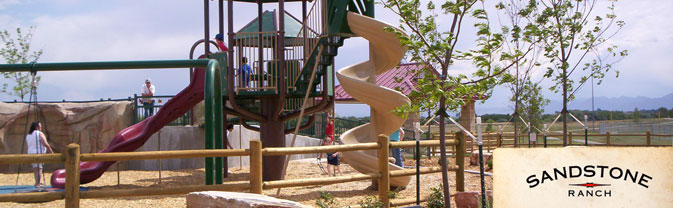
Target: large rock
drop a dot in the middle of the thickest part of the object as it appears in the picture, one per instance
(471, 199)
(474, 158)
(92, 125)
(237, 200)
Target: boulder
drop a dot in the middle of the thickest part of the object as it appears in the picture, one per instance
(92, 125)
(471, 199)
(474, 158)
(237, 200)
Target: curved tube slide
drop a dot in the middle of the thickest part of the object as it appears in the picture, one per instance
(359, 81)
(133, 137)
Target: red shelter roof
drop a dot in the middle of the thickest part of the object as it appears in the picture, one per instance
(401, 78)
(405, 82)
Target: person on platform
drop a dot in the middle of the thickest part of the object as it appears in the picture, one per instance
(147, 90)
(397, 152)
(244, 73)
(36, 143)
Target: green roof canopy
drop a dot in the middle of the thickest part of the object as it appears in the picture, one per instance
(269, 24)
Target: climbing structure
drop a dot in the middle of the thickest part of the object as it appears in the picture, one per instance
(288, 64)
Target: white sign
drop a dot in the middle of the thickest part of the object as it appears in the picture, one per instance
(583, 177)
(532, 137)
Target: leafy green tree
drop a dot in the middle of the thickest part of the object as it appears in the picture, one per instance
(574, 40)
(436, 49)
(513, 23)
(532, 104)
(17, 50)
(636, 115)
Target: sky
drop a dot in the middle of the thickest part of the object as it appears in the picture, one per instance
(79, 30)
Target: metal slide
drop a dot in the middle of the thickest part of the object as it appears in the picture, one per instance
(359, 81)
(133, 137)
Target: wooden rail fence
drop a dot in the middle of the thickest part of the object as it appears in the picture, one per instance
(72, 157)
(494, 140)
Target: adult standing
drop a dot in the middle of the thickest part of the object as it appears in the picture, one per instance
(147, 90)
(36, 143)
(397, 152)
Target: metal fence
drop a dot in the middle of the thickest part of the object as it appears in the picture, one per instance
(142, 111)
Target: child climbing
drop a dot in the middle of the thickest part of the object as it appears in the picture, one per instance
(36, 143)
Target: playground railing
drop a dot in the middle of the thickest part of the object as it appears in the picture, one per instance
(139, 109)
(261, 60)
(72, 157)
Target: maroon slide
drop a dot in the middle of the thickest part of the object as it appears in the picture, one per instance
(133, 137)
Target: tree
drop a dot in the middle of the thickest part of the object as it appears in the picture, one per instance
(17, 51)
(532, 104)
(436, 50)
(571, 35)
(518, 37)
(636, 115)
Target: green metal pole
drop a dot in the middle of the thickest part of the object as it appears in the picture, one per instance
(208, 118)
(212, 93)
(218, 122)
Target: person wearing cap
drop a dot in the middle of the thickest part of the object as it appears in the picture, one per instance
(219, 38)
(148, 103)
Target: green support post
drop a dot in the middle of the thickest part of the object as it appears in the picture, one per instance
(213, 121)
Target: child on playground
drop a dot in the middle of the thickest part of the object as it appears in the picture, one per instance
(332, 159)
(36, 143)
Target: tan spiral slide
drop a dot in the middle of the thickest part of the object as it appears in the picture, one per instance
(359, 81)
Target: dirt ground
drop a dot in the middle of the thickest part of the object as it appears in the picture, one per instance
(345, 193)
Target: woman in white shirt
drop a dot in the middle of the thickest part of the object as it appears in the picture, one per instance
(37, 143)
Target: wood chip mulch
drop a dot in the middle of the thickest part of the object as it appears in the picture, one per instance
(345, 193)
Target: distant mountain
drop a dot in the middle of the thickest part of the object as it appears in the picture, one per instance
(619, 103)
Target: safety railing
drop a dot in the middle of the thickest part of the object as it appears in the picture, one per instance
(342, 125)
(72, 157)
(255, 61)
(308, 38)
(141, 110)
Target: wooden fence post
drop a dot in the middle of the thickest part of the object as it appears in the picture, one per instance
(607, 138)
(256, 166)
(499, 139)
(488, 142)
(570, 138)
(460, 161)
(649, 138)
(384, 180)
(72, 175)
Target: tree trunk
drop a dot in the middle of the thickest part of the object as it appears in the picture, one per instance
(272, 134)
(442, 157)
(564, 112)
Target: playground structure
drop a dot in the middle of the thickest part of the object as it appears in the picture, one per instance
(289, 73)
